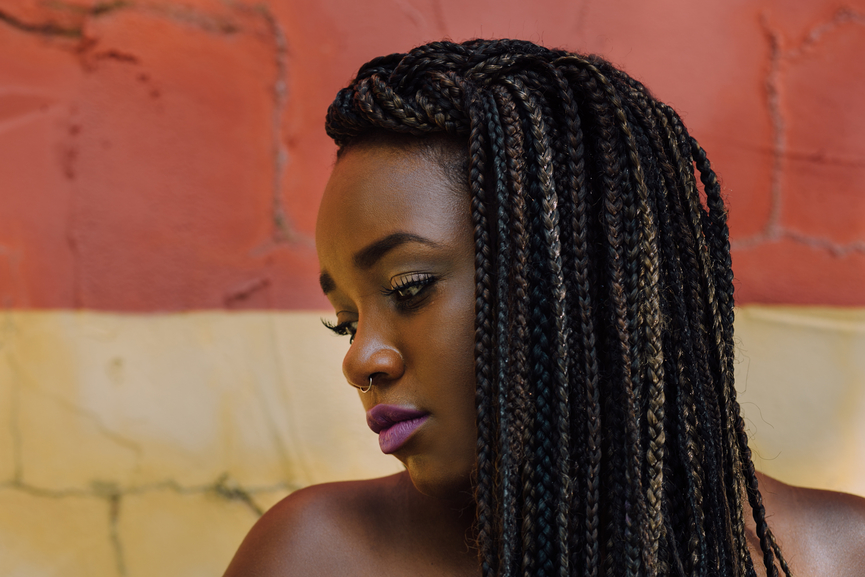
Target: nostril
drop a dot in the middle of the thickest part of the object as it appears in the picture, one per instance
(370, 360)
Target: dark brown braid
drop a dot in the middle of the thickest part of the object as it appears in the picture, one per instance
(610, 441)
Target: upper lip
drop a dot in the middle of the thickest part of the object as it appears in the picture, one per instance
(380, 417)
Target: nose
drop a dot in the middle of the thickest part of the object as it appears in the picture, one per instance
(372, 355)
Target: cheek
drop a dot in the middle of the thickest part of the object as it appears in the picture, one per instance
(454, 359)
(455, 332)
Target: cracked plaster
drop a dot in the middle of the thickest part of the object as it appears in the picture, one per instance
(224, 64)
(90, 429)
(264, 53)
(782, 63)
(54, 536)
(137, 402)
(156, 529)
(120, 399)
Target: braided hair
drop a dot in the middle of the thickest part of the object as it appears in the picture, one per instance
(610, 441)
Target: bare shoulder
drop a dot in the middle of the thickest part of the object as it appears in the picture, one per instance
(315, 531)
(820, 532)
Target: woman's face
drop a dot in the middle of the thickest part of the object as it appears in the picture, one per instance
(395, 245)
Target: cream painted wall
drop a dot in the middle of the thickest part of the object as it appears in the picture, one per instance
(801, 379)
(148, 445)
(136, 445)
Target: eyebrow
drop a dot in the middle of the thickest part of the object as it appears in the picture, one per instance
(366, 257)
(326, 282)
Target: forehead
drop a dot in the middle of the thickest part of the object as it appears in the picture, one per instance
(376, 190)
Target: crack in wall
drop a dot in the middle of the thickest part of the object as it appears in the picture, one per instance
(96, 10)
(779, 131)
(114, 534)
(774, 230)
(284, 230)
(94, 418)
(43, 28)
(192, 17)
(51, 28)
(86, 414)
(79, 14)
(819, 32)
(223, 487)
(231, 491)
(111, 493)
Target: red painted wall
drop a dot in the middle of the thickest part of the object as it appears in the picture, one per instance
(169, 155)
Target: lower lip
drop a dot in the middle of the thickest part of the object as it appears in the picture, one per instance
(395, 436)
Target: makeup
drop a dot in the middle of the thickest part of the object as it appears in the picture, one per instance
(394, 425)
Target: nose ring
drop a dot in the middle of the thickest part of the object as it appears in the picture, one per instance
(368, 387)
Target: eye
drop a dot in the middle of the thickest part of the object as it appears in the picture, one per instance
(342, 329)
(409, 289)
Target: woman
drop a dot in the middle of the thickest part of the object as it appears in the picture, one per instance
(540, 309)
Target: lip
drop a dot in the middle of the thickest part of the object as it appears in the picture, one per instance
(394, 425)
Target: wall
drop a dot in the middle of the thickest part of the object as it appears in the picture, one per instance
(163, 375)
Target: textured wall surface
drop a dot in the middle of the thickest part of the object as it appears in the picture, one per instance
(170, 155)
(161, 163)
(148, 445)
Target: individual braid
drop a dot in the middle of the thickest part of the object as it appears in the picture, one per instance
(496, 137)
(609, 436)
(514, 432)
(483, 336)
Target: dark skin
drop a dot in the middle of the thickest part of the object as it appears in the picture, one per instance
(396, 249)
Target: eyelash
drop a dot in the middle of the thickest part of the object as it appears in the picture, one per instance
(347, 328)
(407, 282)
(405, 302)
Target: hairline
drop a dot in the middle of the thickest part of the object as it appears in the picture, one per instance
(449, 152)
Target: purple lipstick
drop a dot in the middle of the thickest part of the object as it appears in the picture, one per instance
(394, 425)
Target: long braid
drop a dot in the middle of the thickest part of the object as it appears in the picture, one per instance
(539, 554)
(577, 276)
(483, 336)
(513, 435)
(609, 436)
(502, 263)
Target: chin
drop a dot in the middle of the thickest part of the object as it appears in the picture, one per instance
(439, 481)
